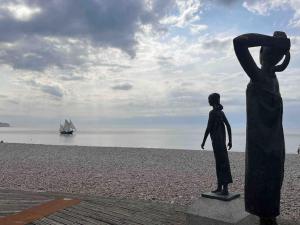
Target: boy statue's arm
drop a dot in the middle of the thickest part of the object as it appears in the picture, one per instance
(228, 131)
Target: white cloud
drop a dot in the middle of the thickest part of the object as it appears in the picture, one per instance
(196, 28)
(264, 7)
(20, 12)
(188, 11)
(295, 22)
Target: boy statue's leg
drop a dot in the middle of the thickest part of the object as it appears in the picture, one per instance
(225, 189)
(219, 188)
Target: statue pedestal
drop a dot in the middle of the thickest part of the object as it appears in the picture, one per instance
(207, 211)
(228, 197)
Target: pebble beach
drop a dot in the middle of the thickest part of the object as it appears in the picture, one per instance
(166, 175)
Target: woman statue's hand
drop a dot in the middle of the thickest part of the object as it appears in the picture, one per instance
(283, 43)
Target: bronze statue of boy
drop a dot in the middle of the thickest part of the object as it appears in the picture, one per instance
(216, 128)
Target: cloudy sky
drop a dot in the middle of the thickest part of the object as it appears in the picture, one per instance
(135, 61)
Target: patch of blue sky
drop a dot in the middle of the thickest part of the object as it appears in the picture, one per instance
(236, 18)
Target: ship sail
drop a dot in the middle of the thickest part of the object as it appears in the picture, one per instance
(61, 128)
(67, 126)
(72, 125)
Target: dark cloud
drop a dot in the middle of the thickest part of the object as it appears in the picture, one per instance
(229, 1)
(226, 2)
(37, 54)
(14, 102)
(101, 23)
(122, 87)
(71, 78)
(51, 89)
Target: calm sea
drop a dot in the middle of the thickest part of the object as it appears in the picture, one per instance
(171, 138)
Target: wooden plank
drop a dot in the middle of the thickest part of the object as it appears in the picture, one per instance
(10, 209)
(46, 221)
(113, 209)
(142, 213)
(100, 216)
(84, 219)
(20, 205)
(8, 212)
(21, 201)
(151, 212)
(119, 213)
(80, 196)
(114, 213)
(22, 195)
(12, 202)
(66, 220)
(37, 212)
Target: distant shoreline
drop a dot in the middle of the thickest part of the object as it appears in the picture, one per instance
(131, 148)
(4, 124)
(172, 176)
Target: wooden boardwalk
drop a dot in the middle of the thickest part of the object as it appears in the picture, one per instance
(27, 208)
(88, 210)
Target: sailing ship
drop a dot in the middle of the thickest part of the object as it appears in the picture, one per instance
(67, 128)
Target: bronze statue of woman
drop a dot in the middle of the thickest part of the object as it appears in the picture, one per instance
(265, 148)
(216, 129)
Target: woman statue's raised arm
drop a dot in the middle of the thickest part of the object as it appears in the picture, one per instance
(245, 41)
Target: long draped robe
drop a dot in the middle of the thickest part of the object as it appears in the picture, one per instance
(265, 151)
(218, 138)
